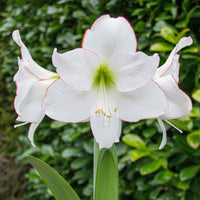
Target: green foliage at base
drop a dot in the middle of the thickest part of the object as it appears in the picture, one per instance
(145, 172)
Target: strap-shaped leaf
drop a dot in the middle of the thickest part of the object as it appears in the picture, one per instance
(55, 182)
(107, 180)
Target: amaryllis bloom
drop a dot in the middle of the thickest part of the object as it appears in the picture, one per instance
(167, 76)
(105, 81)
(32, 82)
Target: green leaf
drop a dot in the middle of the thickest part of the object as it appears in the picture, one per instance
(195, 112)
(183, 125)
(79, 14)
(56, 124)
(161, 46)
(191, 50)
(189, 172)
(168, 34)
(80, 162)
(69, 152)
(162, 177)
(138, 153)
(150, 167)
(182, 185)
(196, 95)
(134, 141)
(154, 193)
(182, 34)
(193, 139)
(55, 182)
(106, 186)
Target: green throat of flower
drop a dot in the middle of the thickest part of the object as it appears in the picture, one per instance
(103, 77)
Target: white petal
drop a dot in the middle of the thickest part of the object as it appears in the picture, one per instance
(76, 67)
(28, 62)
(133, 70)
(110, 36)
(164, 138)
(63, 103)
(29, 106)
(179, 102)
(105, 135)
(172, 62)
(23, 73)
(31, 131)
(148, 101)
(119, 132)
(21, 93)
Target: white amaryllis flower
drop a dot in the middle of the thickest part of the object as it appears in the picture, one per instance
(105, 81)
(32, 82)
(167, 76)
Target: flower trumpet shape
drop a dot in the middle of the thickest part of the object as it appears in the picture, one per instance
(32, 82)
(105, 81)
(167, 76)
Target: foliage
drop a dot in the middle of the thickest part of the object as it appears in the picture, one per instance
(145, 171)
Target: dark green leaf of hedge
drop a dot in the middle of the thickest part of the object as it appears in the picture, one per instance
(162, 177)
(189, 172)
(134, 141)
(193, 139)
(150, 167)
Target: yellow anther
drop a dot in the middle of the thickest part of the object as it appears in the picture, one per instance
(97, 111)
(109, 116)
(115, 109)
(104, 113)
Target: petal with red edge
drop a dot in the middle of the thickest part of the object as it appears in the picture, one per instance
(110, 36)
(133, 70)
(162, 71)
(179, 102)
(148, 101)
(32, 129)
(76, 67)
(104, 134)
(30, 106)
(22, 92)
(28, 62)
(164, 138)
(63, 103)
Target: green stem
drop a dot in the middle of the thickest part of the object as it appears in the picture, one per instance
(106, 178)
(95, 162)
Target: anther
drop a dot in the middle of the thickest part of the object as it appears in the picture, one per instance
(109, 116)
(115, 109)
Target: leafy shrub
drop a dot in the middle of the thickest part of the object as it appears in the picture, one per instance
(145, 172)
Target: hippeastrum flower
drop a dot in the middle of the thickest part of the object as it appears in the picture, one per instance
(167, 76)
(32, 82)
(105, 81)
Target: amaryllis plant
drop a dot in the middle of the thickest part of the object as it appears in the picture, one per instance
(106, 81)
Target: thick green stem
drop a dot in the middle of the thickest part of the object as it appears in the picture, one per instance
(95, 162)
(106, 178)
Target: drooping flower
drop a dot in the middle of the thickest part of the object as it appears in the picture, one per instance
(167, 76)
(32, 82)
(105, 81)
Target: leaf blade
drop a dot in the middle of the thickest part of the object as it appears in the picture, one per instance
(55, 182)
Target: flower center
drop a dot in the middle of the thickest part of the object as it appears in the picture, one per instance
(103, 82)
(104, 76)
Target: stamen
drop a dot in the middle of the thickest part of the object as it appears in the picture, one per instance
(17, 125)
(174, 126)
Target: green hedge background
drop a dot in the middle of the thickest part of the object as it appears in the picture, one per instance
(146, 173)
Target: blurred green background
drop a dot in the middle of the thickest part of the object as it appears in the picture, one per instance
(146, 173)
